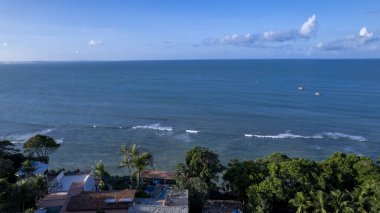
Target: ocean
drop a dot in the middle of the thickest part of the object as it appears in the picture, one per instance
(240, 109)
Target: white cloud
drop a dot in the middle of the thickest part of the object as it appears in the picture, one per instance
(237, 39)
(362, 39)
(5, 44)
(306, 31)
(279, 36)
(309, 27)
(95, 43)
(364, 33)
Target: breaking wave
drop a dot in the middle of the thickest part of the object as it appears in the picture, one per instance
(288, 135)
(154, 127)
(22, 138)
(338, 135)
(332, 135)
(192, 131)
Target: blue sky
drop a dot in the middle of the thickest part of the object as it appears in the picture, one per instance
(173, 29)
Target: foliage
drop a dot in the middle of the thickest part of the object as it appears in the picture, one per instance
(135, 161)
(28, 168)
(341, 183)
(21, 195)
(101, 186)
(198, 174)
(41, 146)
(99, 170)
(6, 148)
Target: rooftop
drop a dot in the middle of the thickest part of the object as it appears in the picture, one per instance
(176, 197)
(151, 174)
(101, 200)
(63, 182)
(51, 200)
(158, 209)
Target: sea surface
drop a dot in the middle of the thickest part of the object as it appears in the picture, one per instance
(240, 109)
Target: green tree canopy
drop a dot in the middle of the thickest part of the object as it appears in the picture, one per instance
(135, 160)
(198, 174)
(41, 146)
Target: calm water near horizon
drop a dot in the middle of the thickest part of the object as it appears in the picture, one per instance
(238, 108)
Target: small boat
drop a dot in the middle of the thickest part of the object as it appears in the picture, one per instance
(300, 88)
(317, 94)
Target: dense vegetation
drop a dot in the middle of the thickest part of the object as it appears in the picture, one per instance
(277, 183)
(17, 195)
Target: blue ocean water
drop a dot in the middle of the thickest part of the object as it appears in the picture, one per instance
(239, 108)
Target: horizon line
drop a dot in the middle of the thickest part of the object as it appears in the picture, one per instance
(215, 59)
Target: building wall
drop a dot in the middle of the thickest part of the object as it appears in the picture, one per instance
(89, 184)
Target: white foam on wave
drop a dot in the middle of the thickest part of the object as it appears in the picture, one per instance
(248, 135)
(338, 135)
(192, 131)
(154, 127)
(289, 135)
(333, 135)
(59, 141)
(22, 138)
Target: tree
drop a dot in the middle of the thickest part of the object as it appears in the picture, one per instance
(301, 202)
(198, 174)
(6, 148)
(99, 170)
(203, 163)
(27, 192)
(339, 201)
(6, 168)
(41, 146)
(126, 161)
(141, 162)
(320, 200)
(250, 172)
(28, 168)
(135, 161)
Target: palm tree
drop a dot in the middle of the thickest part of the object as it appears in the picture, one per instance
(301, 202)
(26, 191)
(127, 156)
(135, 161)
(339, 201)
(320, 200)
(140, 163)
(99, 170)
(40, 183)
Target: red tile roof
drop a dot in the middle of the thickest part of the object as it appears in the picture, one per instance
(158, 175)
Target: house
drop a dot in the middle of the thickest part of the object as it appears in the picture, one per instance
(63, 181)
(62, 187)
(175, 201)
(110, 201)
(157, 176)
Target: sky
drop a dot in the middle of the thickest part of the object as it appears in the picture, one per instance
(173, 29)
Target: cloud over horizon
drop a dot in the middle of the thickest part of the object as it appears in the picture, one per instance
(362, 39)
(306, 31)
